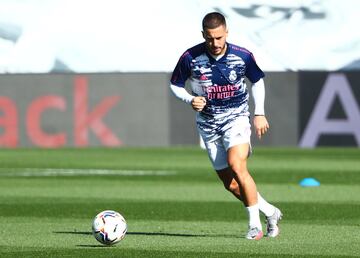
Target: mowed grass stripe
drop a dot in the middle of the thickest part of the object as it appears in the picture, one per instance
(275, 165)
(310, 213)
(186, 159)
(66, 236)
(107, 252)
(159, 189)
(270, 176)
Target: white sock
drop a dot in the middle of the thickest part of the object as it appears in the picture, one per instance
(254, 216)
(265, 207)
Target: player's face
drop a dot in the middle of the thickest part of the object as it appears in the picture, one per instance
(215, 40)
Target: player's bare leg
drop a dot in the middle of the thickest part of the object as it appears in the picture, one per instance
(237, 160)
(230, 181)
(273, 215)
(226, 175)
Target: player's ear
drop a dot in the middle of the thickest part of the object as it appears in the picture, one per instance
(203, 34)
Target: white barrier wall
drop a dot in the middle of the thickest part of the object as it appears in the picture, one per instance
(63, 35)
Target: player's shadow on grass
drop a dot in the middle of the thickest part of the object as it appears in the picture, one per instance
(155, 234)
(178, 234)
(73, 232)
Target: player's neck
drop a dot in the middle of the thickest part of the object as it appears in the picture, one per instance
(217, 57)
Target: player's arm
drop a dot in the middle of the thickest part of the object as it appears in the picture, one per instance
(197, 102)
(180, 74)
(260, 122)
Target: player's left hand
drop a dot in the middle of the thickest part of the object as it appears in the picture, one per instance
(261, 125)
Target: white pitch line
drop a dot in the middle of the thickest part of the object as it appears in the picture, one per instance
(48, 172)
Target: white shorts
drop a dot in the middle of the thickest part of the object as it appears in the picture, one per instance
(238, 133)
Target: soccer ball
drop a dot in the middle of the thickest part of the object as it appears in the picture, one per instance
(109, 227)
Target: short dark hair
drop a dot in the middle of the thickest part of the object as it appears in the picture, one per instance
(213, 20)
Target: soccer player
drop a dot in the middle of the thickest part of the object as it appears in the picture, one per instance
(216, 70)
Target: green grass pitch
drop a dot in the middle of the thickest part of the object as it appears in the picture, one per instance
(174, 204)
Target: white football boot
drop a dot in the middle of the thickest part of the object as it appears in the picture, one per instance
(272, 228)
(254, 234)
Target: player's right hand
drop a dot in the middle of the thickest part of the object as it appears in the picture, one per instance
(198, 103)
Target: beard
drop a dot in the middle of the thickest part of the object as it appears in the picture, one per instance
(218, 50)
